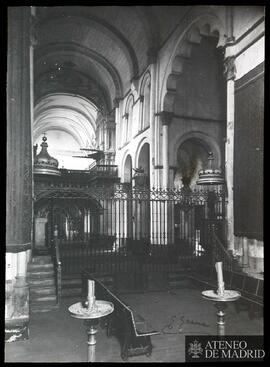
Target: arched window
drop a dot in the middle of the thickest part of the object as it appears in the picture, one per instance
(127, 127)
(145, 103)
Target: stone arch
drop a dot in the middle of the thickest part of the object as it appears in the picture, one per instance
(207, 141)
(127, 128)
(140, 146)
(127, 169)
(190, 156)
(145, 95)
(204, 25)
(145, 79)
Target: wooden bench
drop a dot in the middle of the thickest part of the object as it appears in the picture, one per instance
(130, 328)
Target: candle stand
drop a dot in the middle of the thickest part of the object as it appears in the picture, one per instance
(221, 305)
(91, 319)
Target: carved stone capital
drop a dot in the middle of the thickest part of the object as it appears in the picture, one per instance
(152, 54)
(116, 102)
(229, 67)
(166, 117)
(134, 84)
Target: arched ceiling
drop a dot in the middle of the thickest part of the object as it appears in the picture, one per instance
(100, 48)
(85, 57)
(71, 114)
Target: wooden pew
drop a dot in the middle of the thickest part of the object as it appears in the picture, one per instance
(130, 328)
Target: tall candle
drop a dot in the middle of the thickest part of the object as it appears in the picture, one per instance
(220, 278)
(219, 272)
(91, 288)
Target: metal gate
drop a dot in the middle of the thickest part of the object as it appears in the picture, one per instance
(124, 229)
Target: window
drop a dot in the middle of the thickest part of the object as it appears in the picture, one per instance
(127, 128)
(145, 104)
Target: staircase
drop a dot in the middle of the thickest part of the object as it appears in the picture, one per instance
(41, 279)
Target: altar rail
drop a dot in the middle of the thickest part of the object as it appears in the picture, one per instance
(135, 257)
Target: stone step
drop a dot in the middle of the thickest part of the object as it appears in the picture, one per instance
(40, 274)
(49, 299)
(45, 291)
(41, 282)
(43, 259)
(42, 308)
(33, 267)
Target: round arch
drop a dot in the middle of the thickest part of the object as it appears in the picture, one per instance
(190, 34)
(127, 169)
(205, 140)
(141, 144)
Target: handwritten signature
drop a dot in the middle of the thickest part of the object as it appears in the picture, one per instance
(183, 321)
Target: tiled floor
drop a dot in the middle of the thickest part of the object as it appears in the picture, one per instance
(57, 337)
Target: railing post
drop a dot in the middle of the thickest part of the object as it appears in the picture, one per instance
(57, 264)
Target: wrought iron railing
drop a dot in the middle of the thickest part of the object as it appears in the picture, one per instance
(126, 255)
(104, 170)
(219, 252)
(57, 268)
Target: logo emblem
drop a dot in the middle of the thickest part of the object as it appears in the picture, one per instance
(195, 349)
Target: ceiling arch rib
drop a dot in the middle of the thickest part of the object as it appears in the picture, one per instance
(95, 36)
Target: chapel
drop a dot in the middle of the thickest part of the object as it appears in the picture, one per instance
(134, 160)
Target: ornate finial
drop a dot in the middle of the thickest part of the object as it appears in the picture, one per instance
(229, 67)
(44, 163)
(209, 175)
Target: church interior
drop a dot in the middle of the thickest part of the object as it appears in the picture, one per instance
(135, 180)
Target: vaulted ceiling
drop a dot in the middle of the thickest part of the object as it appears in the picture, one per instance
(95, 51)
(92, 53)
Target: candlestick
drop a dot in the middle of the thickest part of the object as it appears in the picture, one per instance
(220, 278)
(91, 288)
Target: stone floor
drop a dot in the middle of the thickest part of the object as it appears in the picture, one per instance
(57, 337)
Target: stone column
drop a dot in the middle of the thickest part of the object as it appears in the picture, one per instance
(166, 118)
(117, 124)
(229, 148)
(152, 124)
(19, 163)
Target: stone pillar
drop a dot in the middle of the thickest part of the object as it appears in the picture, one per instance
(229, 148)
(166, 118)
(117, 124)
(19, 162)
(152, 124)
